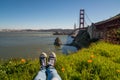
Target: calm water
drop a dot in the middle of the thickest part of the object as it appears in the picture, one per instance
(27, 44)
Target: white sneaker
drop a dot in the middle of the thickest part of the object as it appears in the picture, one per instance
(52, 59)
(43, 59)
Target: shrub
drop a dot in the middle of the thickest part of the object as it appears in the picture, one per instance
(113, 36)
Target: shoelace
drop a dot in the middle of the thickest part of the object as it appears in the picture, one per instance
(52, 61)
(43, 61)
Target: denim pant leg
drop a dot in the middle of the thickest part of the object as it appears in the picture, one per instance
(41, 75)
(52, 74)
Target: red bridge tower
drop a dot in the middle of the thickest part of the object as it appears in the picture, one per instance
(81, 20)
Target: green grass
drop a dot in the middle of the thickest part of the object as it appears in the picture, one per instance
(101, 61)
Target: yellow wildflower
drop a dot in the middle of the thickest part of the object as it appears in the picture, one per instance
(89, 61)
(92, 56)
(63, 69)
(118, 71)
(23, 60)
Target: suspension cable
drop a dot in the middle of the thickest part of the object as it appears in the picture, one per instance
(88, 18)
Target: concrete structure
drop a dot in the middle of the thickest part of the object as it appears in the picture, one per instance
(98, 30)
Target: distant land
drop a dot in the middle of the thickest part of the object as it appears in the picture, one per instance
(55, 31)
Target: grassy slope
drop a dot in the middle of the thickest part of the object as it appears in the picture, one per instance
(101, 61)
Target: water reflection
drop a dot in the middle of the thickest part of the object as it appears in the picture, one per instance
(66, 49)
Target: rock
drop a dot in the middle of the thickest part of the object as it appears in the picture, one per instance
(82, 39)
(57, 42)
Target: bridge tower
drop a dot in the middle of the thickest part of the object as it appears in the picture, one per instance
(81, 20)
(74, 26)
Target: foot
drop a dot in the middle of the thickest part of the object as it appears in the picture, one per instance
(52, 59)
(43, 59)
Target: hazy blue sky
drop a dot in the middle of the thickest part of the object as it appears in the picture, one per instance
(47, 14)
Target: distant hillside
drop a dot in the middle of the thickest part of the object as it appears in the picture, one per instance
(58, 31)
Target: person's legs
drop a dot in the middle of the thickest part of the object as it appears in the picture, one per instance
(42, 73)
(51, 71)
(52, 74)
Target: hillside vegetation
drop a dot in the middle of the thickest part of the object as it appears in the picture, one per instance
(113, 36)
(101, 61)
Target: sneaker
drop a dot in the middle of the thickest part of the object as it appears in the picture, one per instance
(43, 59)
(52, 59)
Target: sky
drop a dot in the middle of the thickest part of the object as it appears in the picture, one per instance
(52, 14)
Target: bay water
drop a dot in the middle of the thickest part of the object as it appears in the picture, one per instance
(27, 44)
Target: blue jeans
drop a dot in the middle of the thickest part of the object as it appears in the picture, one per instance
(48, 74)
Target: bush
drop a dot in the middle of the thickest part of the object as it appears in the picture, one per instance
(113, 36)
